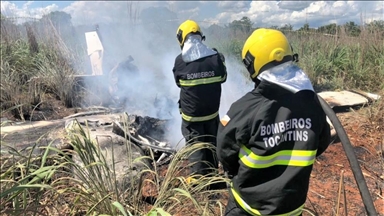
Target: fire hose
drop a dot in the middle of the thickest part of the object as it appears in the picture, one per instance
(353, 162)
(341, 133)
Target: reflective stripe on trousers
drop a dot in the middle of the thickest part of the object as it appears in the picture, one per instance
(285, 157)
(200, 118)
(255, 212)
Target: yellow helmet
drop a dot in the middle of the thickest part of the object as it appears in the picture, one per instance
(265, 48)
(189, 26)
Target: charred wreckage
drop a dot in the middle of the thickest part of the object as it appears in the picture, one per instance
(148, 133)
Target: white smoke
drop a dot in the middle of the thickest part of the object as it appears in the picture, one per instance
(237, 84)
(154, 92)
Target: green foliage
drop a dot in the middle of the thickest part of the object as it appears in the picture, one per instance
(157, 211)
(58, 74)
(329, 29)
(25, 178)
(28, 55)
(17, 68)
(352, 29)
(334, 56)
(286, 27)
(341, 62)
(244, 25)
(86, 182)
(376, 25)
(230, 47)
(96, 178)
(305, 27)
(175, 190)
(59, 19)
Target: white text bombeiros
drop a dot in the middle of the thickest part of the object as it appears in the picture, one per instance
(199, 75)
(290, 130)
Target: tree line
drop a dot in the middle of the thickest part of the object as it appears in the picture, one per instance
(245, 25)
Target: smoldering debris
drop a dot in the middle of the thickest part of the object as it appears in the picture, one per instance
(148, 133)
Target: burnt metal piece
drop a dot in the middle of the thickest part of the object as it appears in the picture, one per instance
(140, 135)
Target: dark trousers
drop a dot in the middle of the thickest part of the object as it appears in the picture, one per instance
(205, 159)
(234, 209)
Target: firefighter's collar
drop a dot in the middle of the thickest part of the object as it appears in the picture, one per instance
(194, 49)
(288, 76)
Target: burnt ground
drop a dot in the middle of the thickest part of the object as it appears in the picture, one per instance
(365, 134)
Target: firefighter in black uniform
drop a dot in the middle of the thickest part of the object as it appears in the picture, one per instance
(269, 138)
(199, 72)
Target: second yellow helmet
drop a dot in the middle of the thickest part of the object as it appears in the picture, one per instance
(264, 49)
(185, 28)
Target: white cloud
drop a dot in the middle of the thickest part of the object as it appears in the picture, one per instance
(180, 5)
(191, 13)
(293, 5)
(316, 13)
(84, 12)
(262, 13)
(233, 6)
(208, 22)
(10, 9)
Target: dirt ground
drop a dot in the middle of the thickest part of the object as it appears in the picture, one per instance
(332, 176)
(324, 195)
(329, 169)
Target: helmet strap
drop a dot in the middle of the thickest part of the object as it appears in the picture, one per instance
(256, 81)
(248, 62)
(295, 57)
(179, 36)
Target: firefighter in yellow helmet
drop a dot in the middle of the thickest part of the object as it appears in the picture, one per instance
(270, 137)
(199, 72)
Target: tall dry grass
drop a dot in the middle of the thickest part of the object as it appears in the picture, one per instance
(341, 61)
(331, 61)
(35, 61)
(55, 183)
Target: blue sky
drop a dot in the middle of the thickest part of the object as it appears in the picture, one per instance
(42, 4)
(262, 13)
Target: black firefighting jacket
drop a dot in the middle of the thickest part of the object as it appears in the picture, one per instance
(200, 86)
(268, 141)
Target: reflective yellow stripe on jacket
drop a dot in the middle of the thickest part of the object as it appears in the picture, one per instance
(201, 81)
(255, 212)
(286, 157)
(200, 118)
